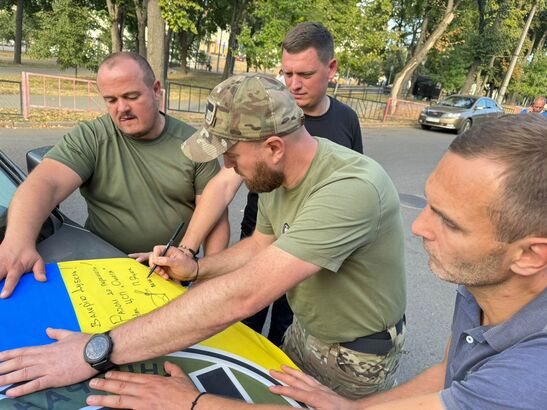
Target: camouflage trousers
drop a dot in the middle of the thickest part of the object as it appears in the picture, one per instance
(349, 373)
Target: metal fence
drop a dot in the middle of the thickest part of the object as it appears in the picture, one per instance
(186, 98)
(46, 91)
(11, 98)
(368, 103)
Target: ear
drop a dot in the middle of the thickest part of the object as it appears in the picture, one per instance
(333, 65)
(157, 89)
(274, 149)
(532, 257)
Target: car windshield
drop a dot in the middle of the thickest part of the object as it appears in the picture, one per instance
(7, 189)
(459, 102)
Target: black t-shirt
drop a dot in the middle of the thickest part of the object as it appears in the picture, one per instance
(339, 124)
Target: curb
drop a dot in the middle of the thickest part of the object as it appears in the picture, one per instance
(70, 124)
(33, 124)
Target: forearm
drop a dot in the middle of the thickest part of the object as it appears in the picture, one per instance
(429, 381)
(200, 313)
(48, 185)
(29, 208)
(230, 259)
(210, 307)
(212, 402)
(219, 237)
(210, 206)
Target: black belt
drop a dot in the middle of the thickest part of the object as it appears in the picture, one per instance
(377, 343)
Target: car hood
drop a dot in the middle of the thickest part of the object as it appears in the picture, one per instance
(445, 109)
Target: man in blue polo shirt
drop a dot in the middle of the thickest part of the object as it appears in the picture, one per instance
(495, 247)
(537, 107)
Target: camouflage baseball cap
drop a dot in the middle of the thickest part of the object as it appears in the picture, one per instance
(245, 107)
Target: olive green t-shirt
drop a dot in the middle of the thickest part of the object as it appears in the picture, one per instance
(344, 216)
(137, 192)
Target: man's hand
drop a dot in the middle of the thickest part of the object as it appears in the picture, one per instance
(55, 365)
(175, 264)
(140, 256)
(306, 389)
(14, 262)
(145, 391)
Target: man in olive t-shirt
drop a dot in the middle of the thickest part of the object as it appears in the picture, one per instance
(136, 191)
(136, 184)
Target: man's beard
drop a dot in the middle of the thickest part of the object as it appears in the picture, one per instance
(264, 180)
(488, 271)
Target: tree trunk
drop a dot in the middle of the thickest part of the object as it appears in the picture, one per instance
(424, 27)
(539, 47)
(515, 57)
(18, 31)
(140, 10)
(114, 11)
(235, 29)
(156, 43)
(420, 54)
(168, 38)
(482, 83)
(529, 51)
(186, 40)
(471, 76)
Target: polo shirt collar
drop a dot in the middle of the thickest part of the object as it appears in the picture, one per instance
(530, 320)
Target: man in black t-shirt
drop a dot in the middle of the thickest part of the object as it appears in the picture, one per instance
(308, 65)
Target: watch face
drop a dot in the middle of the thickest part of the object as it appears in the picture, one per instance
(97, 348)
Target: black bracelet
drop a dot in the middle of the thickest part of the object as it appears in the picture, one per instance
(193, 252)
(196, 399)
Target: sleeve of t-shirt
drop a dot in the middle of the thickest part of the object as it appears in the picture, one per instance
(77, 150)
(514, 378)
(356, 134)
(205, 171)
(336, 219)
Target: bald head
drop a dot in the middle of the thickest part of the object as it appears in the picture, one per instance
(538, 104)
(116, 58)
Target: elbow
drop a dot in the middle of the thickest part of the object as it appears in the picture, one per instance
(248, 305)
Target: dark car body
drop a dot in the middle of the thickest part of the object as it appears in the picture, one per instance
(60, 238)
(460, 112)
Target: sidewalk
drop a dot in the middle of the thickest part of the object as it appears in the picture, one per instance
(193, 119)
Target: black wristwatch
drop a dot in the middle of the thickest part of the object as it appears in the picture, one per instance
(97, 352)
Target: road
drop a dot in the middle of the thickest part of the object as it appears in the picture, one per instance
(409, 155)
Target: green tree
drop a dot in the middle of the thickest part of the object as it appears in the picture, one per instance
(65, 33)
(266, 26)
(518, 48)
(18, 18)
(533, 81)
(193, 20)
(360, 34)
(427, 40)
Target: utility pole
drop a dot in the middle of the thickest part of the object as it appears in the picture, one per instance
(514, 59)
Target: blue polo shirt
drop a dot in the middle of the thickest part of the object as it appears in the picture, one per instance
(497, 367)
(525, 111)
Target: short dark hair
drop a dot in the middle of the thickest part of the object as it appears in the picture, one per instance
(520, 143)
(148, 74)
(306, 35)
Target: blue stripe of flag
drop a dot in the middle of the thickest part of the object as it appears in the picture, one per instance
(32, 308)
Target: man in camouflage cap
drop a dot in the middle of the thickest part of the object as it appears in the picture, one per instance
(341, 265)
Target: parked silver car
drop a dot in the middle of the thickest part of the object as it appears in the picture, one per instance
(460, 112)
